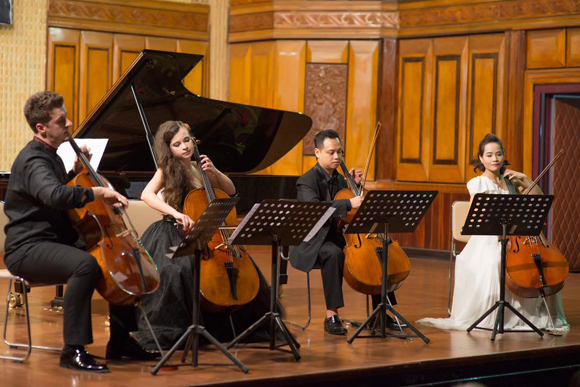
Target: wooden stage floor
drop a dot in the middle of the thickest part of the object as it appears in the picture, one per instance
(326, 359)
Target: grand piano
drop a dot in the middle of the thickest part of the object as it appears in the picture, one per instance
(239, 139)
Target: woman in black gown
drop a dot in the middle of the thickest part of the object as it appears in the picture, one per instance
(169, 309)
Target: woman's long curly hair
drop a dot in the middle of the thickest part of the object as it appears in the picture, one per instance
(176, 180)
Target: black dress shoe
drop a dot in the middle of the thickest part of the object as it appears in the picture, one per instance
(129, 349)
(333, 325)
(80, 359)
(392, 323)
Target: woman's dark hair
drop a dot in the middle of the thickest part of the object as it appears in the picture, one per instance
(488, 139)
(176, 179)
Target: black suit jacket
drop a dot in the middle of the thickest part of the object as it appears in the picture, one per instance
(312, 187)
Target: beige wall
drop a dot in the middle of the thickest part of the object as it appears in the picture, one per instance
(22, 72)
(23, 66)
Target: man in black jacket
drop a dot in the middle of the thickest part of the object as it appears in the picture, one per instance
(40, 239)
(320, 184)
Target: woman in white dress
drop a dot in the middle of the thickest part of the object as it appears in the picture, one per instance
(477, 269)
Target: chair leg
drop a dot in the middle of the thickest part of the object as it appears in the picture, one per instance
(29, 345)
(303, 327)
(451, 259)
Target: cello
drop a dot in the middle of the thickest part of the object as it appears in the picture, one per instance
(128, 272)
(534, 266)
(362, 263)
(229, 278)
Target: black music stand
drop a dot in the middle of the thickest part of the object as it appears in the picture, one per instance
(277, 223)
(192, 245)
(496, 214)
(389, 211)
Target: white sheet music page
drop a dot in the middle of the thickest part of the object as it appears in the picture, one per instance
(96, 145)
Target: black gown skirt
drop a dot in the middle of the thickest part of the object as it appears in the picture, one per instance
(169, 309)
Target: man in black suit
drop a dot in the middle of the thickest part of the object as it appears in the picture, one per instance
(320, 184)
(41, 241)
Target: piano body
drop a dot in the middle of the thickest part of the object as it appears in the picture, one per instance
(238, 138)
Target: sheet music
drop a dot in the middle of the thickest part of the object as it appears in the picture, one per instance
(96, 145)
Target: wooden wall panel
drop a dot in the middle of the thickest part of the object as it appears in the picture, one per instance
(95, 69)
(126, 48)
(262, 73)
(573, 47)
(362, 104)
(324, 51)
(252, 76)
(161, 44)
(546, 49)
(197, 79)
(415, 83)
(447, 150)
(240, 76)
(512, 135)
(290, 71)
(63, 65)
(388, 106)
(486, 93)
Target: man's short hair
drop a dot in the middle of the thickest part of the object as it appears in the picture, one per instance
(39, 106)
(322, 135)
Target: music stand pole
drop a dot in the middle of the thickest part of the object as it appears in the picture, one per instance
(384, 306)
(403, 211)
(197, 238)
(271, 223)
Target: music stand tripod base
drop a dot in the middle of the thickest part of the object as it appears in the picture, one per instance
(389, 211)
(522, 215)
(192, 245)
(279, 223)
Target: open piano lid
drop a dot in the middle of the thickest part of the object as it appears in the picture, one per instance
(237, 138)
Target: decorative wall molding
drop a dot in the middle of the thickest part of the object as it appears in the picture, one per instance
(326, 100)
(189, 20)
(488, 12)
(327, 19)
(375, 19)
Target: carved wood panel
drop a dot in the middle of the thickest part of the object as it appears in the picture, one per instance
(325, 100)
